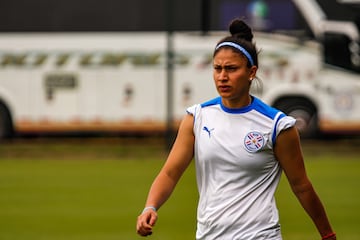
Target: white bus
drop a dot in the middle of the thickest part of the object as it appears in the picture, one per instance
(97, 82)
(116, 82)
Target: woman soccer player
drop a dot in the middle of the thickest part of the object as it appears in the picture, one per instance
(240, 146)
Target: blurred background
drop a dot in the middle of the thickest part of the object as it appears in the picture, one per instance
(132, 67)
(92, 93)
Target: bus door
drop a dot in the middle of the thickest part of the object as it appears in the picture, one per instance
(55, 93)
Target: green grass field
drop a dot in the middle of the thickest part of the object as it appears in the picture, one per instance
(94, 190)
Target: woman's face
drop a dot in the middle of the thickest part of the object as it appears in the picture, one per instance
(232, 76)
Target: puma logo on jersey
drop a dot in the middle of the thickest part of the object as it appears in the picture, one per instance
(206, 129)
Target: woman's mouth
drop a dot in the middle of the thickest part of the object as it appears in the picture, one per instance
(224, 88)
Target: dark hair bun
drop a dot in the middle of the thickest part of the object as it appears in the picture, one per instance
(239, 29)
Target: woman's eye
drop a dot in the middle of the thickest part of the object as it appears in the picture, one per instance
(226, 68)
(230, 68)
(217, 68)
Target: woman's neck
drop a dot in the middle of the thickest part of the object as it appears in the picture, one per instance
(237, 103)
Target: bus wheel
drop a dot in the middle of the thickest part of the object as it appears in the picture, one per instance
(6, 129)
(304, 112)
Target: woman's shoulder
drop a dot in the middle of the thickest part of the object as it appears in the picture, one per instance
(265, 108)
(197, 107)
(211, 102)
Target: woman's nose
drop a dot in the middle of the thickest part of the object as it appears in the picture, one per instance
(223, 75)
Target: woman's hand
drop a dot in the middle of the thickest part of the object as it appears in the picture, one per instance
(146, 222)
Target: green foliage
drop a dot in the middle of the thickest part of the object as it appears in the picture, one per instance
(94, 191)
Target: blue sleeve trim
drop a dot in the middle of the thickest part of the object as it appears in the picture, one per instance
(273, 138)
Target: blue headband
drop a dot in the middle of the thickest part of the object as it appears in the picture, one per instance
(238, 47)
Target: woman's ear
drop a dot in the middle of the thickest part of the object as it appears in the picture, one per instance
(252, 72)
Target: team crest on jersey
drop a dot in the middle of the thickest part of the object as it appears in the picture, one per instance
(254, 141)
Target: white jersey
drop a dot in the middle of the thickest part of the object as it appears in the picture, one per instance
(237, 173)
